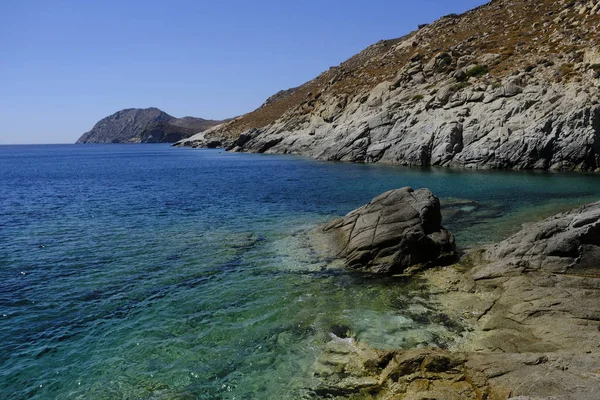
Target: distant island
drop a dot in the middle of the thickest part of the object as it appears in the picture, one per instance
(145, 125)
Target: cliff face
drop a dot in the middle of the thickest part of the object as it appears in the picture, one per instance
(510, 84)
(149, 125)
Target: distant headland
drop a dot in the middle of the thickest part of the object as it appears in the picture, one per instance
(145, 125)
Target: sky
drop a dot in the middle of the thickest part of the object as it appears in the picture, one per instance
(65, 64)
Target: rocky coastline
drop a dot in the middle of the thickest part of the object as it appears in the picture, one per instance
(513, 84)
(530, 305)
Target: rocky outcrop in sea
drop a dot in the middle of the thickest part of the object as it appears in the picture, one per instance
(397, 231)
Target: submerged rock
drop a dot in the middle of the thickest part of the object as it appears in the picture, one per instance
(348, 369)
(397, 230)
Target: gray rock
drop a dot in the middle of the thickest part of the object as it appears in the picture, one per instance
(447, 143)
(465, 61)
(554, 126)
(460, 75)
(444, 94)
(489, 58)
(476, 97)
(567, 243)
(149, 125)
(418, 79)
(397, 230)
(512, 87)
(439, 63)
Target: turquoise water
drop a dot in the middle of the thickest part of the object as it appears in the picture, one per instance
(148, 272)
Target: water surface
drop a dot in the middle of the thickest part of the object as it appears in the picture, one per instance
(148, 272)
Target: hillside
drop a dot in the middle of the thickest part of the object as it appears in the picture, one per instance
(510, 84)
(149, 125)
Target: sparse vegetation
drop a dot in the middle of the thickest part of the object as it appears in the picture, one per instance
(450, 16)
(566, 70)
(514, 30)
(418, 97)
(570, 3)
(478, 70)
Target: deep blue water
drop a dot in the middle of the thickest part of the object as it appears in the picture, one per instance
(148, 272)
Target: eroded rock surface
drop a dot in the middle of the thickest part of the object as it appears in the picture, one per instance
(349, 369)
(352, 370)
(397, 230)
(567, 243)
(527, 122)
(532, 305)
(543, 287)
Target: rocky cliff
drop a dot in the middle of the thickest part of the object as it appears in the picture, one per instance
(149, 125)
(510, 84)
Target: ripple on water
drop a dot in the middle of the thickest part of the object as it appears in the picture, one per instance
(159, 273)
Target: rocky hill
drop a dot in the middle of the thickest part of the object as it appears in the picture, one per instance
(149, 125)
(510, 84)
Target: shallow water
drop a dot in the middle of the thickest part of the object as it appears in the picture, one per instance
(148, 272)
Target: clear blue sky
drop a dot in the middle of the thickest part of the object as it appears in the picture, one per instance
(65, 64)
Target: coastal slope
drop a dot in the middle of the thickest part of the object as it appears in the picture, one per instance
(149, 125)
(510, 84)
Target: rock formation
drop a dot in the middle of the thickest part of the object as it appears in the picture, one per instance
(568, 243)
(511, 84)
(149, 125)
(531, 305)
(397, 230)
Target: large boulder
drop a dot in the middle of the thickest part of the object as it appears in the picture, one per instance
(397, 230)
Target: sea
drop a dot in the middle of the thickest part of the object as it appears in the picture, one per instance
(153, 272)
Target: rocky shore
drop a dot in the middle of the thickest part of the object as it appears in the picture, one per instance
(513, 84)
(531, 305)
